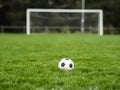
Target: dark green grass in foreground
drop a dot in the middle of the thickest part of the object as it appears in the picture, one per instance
(30, 62)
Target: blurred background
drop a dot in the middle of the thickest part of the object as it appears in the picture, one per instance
(13, 12)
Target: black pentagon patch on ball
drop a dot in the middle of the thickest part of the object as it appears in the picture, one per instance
(62, 64)
(67, 58)
(70, 65)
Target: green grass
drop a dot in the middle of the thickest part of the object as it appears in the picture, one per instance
(30, 62)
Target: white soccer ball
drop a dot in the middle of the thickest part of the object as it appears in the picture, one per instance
(66, 64)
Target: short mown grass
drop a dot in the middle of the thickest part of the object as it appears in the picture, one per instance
(30, 62)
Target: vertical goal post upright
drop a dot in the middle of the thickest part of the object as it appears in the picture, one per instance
(99, 11)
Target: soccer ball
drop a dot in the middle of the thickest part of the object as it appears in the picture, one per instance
(66, 64)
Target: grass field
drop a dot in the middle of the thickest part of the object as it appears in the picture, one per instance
(30, 62)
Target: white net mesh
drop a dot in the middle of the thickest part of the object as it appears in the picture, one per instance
(63, 22)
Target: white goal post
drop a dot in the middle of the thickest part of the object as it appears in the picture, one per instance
(98, 11)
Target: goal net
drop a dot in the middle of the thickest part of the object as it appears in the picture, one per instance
(64, 21)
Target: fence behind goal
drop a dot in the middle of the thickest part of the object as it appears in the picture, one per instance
(64, 20)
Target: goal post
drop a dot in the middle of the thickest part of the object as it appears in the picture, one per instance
(39, 18)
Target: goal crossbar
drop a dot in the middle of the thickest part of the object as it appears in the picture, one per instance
(28, 11)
